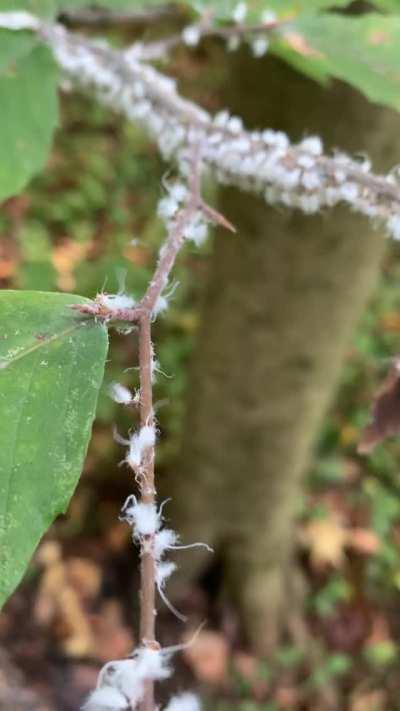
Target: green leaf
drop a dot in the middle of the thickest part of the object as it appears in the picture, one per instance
(14, 46)
(224, 9)
(28, 117)
(387, 5)
(41, 8)
(52, 364)
(363, 51)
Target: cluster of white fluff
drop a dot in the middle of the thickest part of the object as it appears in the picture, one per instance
(297, 176)
(146, 522)
(258, 44)
(184, 702)
(138, 443)
(122, 395)
(121, 683)
(195, 227)
(19, 20)
(115, 302)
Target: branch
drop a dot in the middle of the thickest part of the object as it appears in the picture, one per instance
(233, 34)
(264, 162)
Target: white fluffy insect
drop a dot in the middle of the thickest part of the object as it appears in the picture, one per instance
(106, 698)
(239, 13)
(127, 677)
(18, 20)
(115, 302)
(138, 443)
(191, 35)
(259, 46)
(144, 518)
(312, 144)
(184, 702)
(121, 394)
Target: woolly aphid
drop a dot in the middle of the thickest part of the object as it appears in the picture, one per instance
(184, 702)
(145, 519)
(115, 302)
(191, 35)
(138, 443)
(122, 682)
(239, 13)
(146, 522)
(122, 395)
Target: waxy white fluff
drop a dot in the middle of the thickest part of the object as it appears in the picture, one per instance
(259, 46)
(115, 302)
(124, 680)
(239, 13)
(184, 702)
(165, 539)
(18, 20)
(120, 394)
(164, 571)
(138, 443)
(106, 698)
(144, 518)
(191, 35)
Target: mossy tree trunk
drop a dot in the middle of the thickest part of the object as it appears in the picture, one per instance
(283, 298)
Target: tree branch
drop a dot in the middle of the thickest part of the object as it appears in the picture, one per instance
(265, 162)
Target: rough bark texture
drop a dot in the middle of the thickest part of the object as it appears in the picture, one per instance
(283, 299)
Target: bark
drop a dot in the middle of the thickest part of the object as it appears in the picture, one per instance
(282, 301)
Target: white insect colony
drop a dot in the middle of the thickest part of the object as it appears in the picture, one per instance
(263, 162)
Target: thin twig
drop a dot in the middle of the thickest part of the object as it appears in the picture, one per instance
(169, 251)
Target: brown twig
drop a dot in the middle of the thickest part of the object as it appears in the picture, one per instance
(168, 254)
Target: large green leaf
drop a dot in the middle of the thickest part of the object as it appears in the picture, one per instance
(363, 51)
(41, 8)
(51, 369)
(28, 116)
(14, 46)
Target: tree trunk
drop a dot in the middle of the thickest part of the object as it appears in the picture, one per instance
(283, 298)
